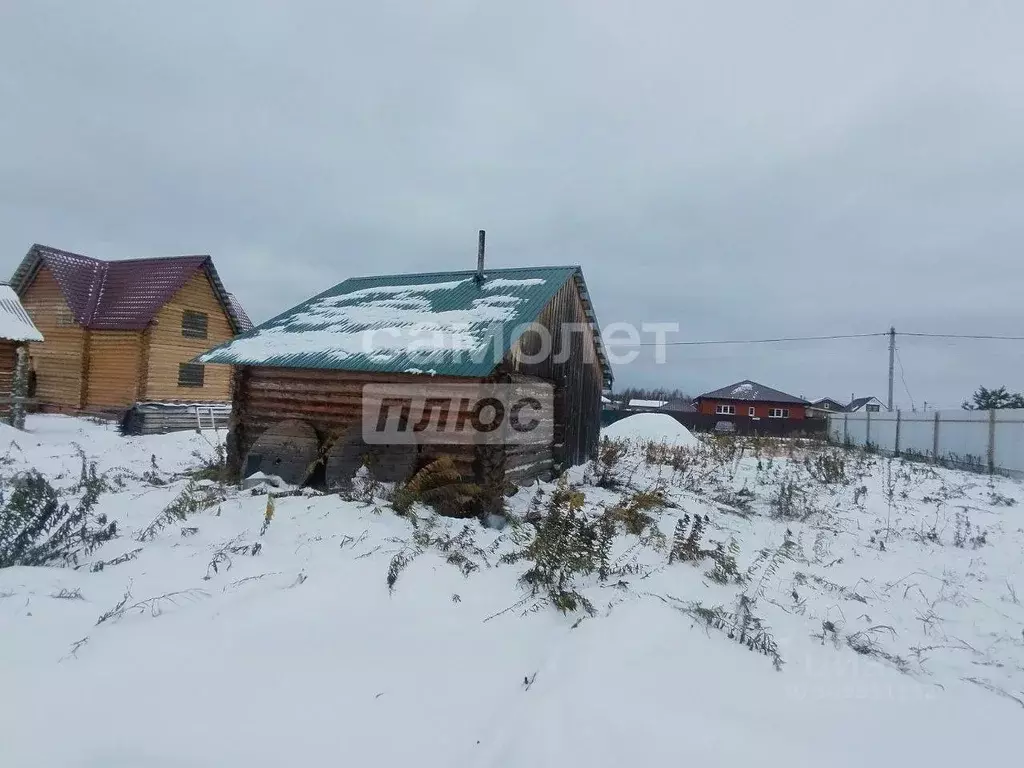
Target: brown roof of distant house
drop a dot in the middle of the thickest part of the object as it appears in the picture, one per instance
(120, 295)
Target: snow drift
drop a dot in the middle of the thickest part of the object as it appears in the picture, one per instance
(651, 427)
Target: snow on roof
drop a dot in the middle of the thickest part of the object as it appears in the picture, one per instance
(751, 390)
(15, 324)
(447, 323)
(636, 403)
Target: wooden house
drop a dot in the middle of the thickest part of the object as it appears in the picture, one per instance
(302, 377)
(16, 331)
(121, 332)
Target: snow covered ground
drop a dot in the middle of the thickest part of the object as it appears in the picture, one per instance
(897, 625)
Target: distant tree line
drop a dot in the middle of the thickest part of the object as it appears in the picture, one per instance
(639, 393)
(985, 399)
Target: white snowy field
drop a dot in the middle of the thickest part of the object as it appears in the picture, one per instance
(892, 608)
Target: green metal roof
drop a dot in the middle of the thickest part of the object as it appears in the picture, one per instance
(445, 323)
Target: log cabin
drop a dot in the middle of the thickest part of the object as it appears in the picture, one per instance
(302, 379)
(16, 331)
(121, 332)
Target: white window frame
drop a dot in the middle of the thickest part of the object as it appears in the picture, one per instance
(751, 411)
(725, 410)
(778, 413)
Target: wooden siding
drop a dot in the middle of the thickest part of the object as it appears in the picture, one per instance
(575, 370)
(8, 360)
(166, 347)
(58, 360)
(113, 369)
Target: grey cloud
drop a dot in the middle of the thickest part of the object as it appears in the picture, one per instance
(743, 169)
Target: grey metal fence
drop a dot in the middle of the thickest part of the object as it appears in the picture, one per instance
(986, 440)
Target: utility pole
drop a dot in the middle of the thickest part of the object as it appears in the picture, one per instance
(892, 360)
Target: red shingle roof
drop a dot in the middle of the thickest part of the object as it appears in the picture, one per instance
(120, 295)
(244, 323)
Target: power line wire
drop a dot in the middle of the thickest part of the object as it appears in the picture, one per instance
(762, 341)
(782, 339)
(961, 336)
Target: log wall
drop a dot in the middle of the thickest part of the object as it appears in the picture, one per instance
(58, 361)
(331, 401)
(8, 360)
(165, 347)
(113, 369)
(578, 379)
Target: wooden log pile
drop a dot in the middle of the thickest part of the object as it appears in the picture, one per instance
(161, 418)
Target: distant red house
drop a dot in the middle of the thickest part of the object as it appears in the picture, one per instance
(750, 400)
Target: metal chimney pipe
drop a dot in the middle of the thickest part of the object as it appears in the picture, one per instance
(480, 257)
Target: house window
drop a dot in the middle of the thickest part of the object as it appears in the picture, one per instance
(778, 413)
(751, 411)
(873, 408)
(193, 324)
(826, 406)
(725, 410)
(190, 375)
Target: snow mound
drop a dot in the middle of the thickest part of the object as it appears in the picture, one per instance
(652, 427)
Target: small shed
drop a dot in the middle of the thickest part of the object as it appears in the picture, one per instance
(16, 331)
(639, 404)
(302, 378)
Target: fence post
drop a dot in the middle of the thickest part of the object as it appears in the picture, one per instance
(935, 439)
(896, 447)
(991, 441)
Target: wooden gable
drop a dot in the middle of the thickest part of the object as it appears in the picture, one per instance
(174, 339)
(58, 361)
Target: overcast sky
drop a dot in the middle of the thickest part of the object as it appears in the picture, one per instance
(744, 169)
